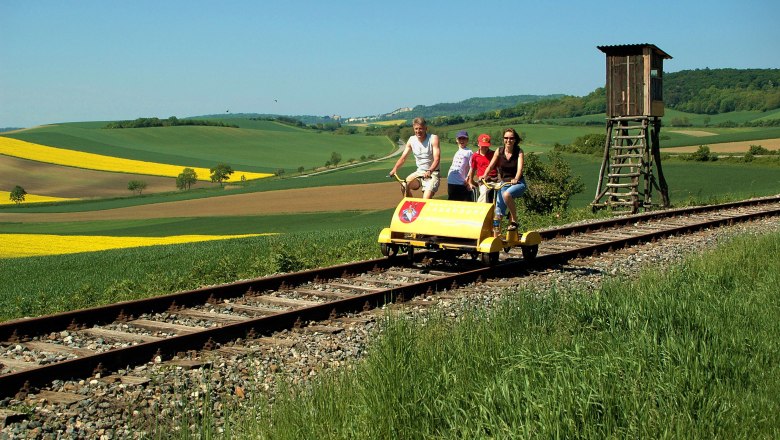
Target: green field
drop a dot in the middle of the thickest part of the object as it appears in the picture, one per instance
(266, 147)
(687, 180)
(536, 137)
(227, 225)
(308, 239)
(696, 120)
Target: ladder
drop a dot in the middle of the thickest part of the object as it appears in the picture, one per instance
(630, 150)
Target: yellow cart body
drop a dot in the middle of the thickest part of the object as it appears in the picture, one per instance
(452, 225)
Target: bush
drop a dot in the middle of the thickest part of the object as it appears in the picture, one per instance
(550, 186)
(588, 144)
(758, 150)
(136, 186)
(702, 155)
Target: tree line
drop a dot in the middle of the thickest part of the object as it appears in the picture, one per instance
(173, 121)
(702, 91)
(470, 106)
(713, 91)
(327, 124)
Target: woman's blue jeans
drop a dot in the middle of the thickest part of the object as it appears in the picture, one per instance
(515, 191)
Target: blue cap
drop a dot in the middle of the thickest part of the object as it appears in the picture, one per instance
(462, 134)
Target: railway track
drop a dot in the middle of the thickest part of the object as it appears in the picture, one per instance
(102, 340)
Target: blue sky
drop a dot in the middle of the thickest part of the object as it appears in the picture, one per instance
(64, 61)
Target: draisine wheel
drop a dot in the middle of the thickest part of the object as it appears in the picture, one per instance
(389, 250)
(529, 252)
(489, 258)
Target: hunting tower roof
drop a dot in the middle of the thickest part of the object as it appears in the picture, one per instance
(628, 49)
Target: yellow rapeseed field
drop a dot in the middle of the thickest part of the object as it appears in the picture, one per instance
(78, 159)
(393, 122)
(5, 198)
(30, 245)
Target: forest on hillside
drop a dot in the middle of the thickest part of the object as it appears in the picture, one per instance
(472, 106)
(702, 91)
(707, 91)
(713, 91)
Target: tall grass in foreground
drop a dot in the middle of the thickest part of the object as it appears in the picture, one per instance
(690, 352)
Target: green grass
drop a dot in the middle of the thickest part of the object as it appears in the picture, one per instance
(536, 137)
(687, 181)
(688, 352)
(322, 222)
(43, 285)
(88, 279)
(697, 121)
(542, 137)
(671, 138)
(266, 147)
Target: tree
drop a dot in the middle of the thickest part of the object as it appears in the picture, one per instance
(335, 158)
(17, 194)
(186, 179)
(221, 173)
(136, 185)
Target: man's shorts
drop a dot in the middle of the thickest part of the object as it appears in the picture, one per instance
(485, 194)
(430, 184)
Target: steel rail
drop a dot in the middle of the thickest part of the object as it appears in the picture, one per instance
(18, 330)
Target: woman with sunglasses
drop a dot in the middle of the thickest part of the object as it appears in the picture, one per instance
(508, 160)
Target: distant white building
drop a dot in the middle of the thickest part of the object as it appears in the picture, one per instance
(365, 119)
(400, 110)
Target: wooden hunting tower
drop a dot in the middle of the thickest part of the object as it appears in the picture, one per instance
(634, 91)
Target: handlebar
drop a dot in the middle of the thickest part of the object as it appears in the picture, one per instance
(400, 180)
(495, 185)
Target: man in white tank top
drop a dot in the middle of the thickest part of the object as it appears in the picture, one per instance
(425, 148)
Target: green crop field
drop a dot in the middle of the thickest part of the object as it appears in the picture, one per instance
(677, 137)
(672, 116)
(266, 147)
(687, 181)
(313, 222)
(536, 137)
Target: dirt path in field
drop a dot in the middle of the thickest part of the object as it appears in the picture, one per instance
(695, 133)
(371, 196)
(727, 147)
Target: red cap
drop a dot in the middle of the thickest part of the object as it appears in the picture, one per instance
(483, 140)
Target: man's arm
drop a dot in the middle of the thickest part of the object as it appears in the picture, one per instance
(436, 153)
(401, 159)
